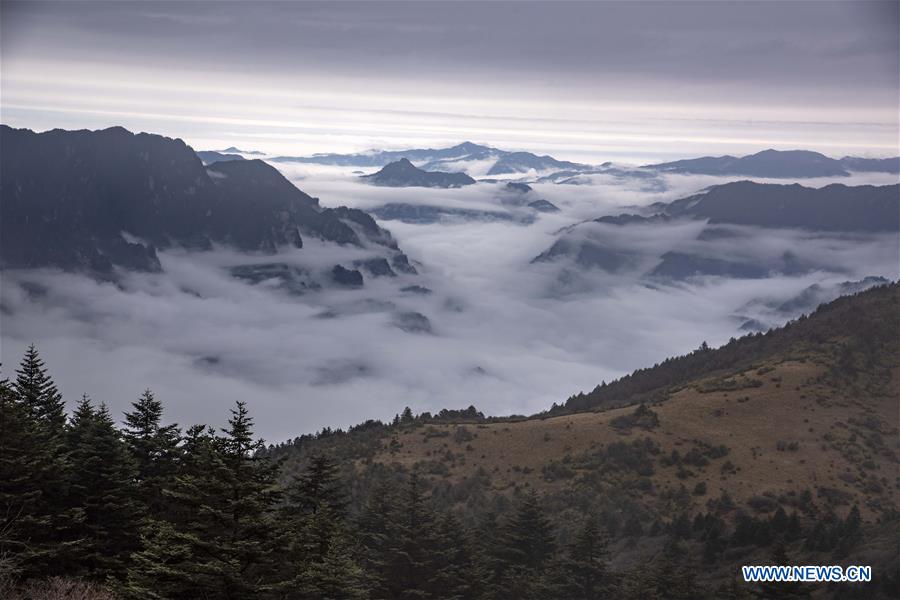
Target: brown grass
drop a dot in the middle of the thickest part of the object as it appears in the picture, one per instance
(789, 434)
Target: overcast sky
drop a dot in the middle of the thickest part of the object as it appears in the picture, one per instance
(587, 81)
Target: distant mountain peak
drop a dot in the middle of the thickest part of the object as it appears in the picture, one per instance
(469, 157)
(402, 173)
(771, 163)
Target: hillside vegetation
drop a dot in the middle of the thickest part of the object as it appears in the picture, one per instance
(775, 449)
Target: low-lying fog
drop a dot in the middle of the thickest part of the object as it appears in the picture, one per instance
(501, 333)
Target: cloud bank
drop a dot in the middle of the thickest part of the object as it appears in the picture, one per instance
(495, 331)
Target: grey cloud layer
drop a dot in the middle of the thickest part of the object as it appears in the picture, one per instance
(502, 339)
(833, 43)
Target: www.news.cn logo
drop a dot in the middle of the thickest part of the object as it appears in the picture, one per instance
(807, 573)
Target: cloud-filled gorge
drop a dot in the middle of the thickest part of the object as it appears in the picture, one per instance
(480, 324)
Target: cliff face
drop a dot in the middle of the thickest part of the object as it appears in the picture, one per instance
(92, 200)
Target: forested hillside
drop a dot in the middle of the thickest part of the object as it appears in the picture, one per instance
(777, 448)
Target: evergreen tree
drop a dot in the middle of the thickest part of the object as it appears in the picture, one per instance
(154, 449)
(37, 391)
(375, 531)
(101, 490)
(27, 534)
(782, 590)
(317, 487)
(524, 554)
(458, 569)
(528, 537)
(221, 540)
(316, 549)
(409, 560)
(32, 480)
(850, 532)
(672, 577)
(338, 576)
(586, 564)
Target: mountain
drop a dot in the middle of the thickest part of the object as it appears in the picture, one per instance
(776, 163)
(834, 207)
(467, 157)
(717, 249)
(775, 442)
(233, 150)
(762, 314)
(404, 174)
(543, 206)
(523, 162)
(95, 200)
(872, 165)
(421, 214)
(211, 156)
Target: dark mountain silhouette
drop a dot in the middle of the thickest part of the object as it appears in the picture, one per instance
(834, 207)
(522, 162)
(233, 150)
(426, 213)
(872, 165)
(404, 174)
(776, 163)
(92, 200)
(543, 206)
(379, 158)
(433, 159)
(211, 156)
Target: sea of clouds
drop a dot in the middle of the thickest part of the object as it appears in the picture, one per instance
(503, 334)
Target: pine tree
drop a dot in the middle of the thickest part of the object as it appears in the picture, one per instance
(458, 569)
(318, 486)
(154, 449)
(180, 559)
(408, 560)
(32, 486)
(337, 576)
(25, 527)
(375, 530)
(102, 491)
(36, 389)
(586, 565)
(782, 590)
(523, 564)
(528, 537)
(673, 578)
(221, 541)
(316, 557)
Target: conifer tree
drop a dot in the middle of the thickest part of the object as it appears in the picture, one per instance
(459, 573)
(780, 590)
(586, 564)
(317, 487)
(180, 558)
(25, 527)
(37, 391)
(525, 554)
(408, 557)
(338, 576)
(101, 490)
(375, 529)
(154, 449)
(316, 550)
(673, 578)
(528, 537)
(221, 542)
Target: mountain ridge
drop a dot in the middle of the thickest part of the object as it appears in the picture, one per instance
(68, 196)
(402, 173)
(778, 164)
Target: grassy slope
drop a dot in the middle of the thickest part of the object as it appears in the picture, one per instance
(819, 415)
